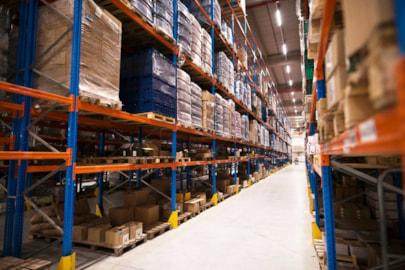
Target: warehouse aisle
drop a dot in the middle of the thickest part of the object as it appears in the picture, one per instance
(264, 227)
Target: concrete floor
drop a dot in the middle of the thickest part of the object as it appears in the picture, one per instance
(264, 227)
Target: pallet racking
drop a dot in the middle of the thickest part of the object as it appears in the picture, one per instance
(71, 114)
(381, 134)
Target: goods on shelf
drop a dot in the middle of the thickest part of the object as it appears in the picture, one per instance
(196, 43)
(184, 29)
(362, 20)
(237, 124)
(148, 83)
(219, 114)
(163, 16)
(208, 111)
(225, 71)
(100, 51)
(196, 105)
(183, 98)
(143, 7)
(335, 68)
(206, 51)
(245, 127)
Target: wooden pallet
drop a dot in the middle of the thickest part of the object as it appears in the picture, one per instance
(157, 117)
(20, 264)
(156, 229)
(183, 217)
(131, 160)
(117, 250)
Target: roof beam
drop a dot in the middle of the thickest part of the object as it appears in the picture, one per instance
(281, 59)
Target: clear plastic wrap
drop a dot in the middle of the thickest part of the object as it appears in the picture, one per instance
(100, 51)
(144, 8)
(163, 16)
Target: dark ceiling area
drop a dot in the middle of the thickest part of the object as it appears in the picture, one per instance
(285, 69)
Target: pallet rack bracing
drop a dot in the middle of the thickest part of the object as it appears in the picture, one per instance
(76, 114)
(387, 134)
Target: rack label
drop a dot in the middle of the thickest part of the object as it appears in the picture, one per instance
(368, 132)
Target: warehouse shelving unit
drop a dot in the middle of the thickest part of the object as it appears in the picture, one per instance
(381, 134)
(74, 114)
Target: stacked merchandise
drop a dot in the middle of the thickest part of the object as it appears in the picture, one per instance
(100, 51)
(143, 7)
(245, 127)
(184, 29)
(183, 98)
(148, 84)
(238, 124)
(208, 110)
(163, 16)
(196, 105)
(219, 114)
(224, 70)
(195, 41)
(231, 108)
(227, 118)
(227, 32)
(206, 51)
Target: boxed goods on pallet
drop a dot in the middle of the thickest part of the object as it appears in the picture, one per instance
(208, 110)
(238, 124)
(356, 104)
(183, 98)
(206, 51)
(335, 70)
(184, 29)
(219, 114)
(361, 19)
(148, 83)
(225, 71)
(196, 105)
(382, 60)
(163, 16)
(100, 51)
(142, 7)
(196, 43)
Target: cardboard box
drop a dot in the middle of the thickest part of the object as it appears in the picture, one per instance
(136, 197)
(192, 206)
(117, 236)
(356, 105)
(135, 230)
(121, 215)
(97, 234)
(335, 55)
(361, 18)
(80, 232)
(147, 214)
(336, 84)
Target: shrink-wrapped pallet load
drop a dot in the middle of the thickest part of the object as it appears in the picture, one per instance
(163, 16)
(183, 98)
(100, 51)
(148, 83)
(208, 102)
(196, 106)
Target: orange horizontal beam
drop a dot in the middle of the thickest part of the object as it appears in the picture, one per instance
(35, 93)
(20, 155)
(379, 135)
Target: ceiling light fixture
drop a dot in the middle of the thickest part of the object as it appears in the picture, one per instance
(284, 48)
(278, 17)
(290, 83)
(288, 69)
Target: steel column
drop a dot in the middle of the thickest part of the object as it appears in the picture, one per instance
(68, 257)
(327, 183)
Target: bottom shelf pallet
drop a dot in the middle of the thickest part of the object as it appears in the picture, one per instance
(117, 250)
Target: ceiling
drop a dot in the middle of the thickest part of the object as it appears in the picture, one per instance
(270, 37)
